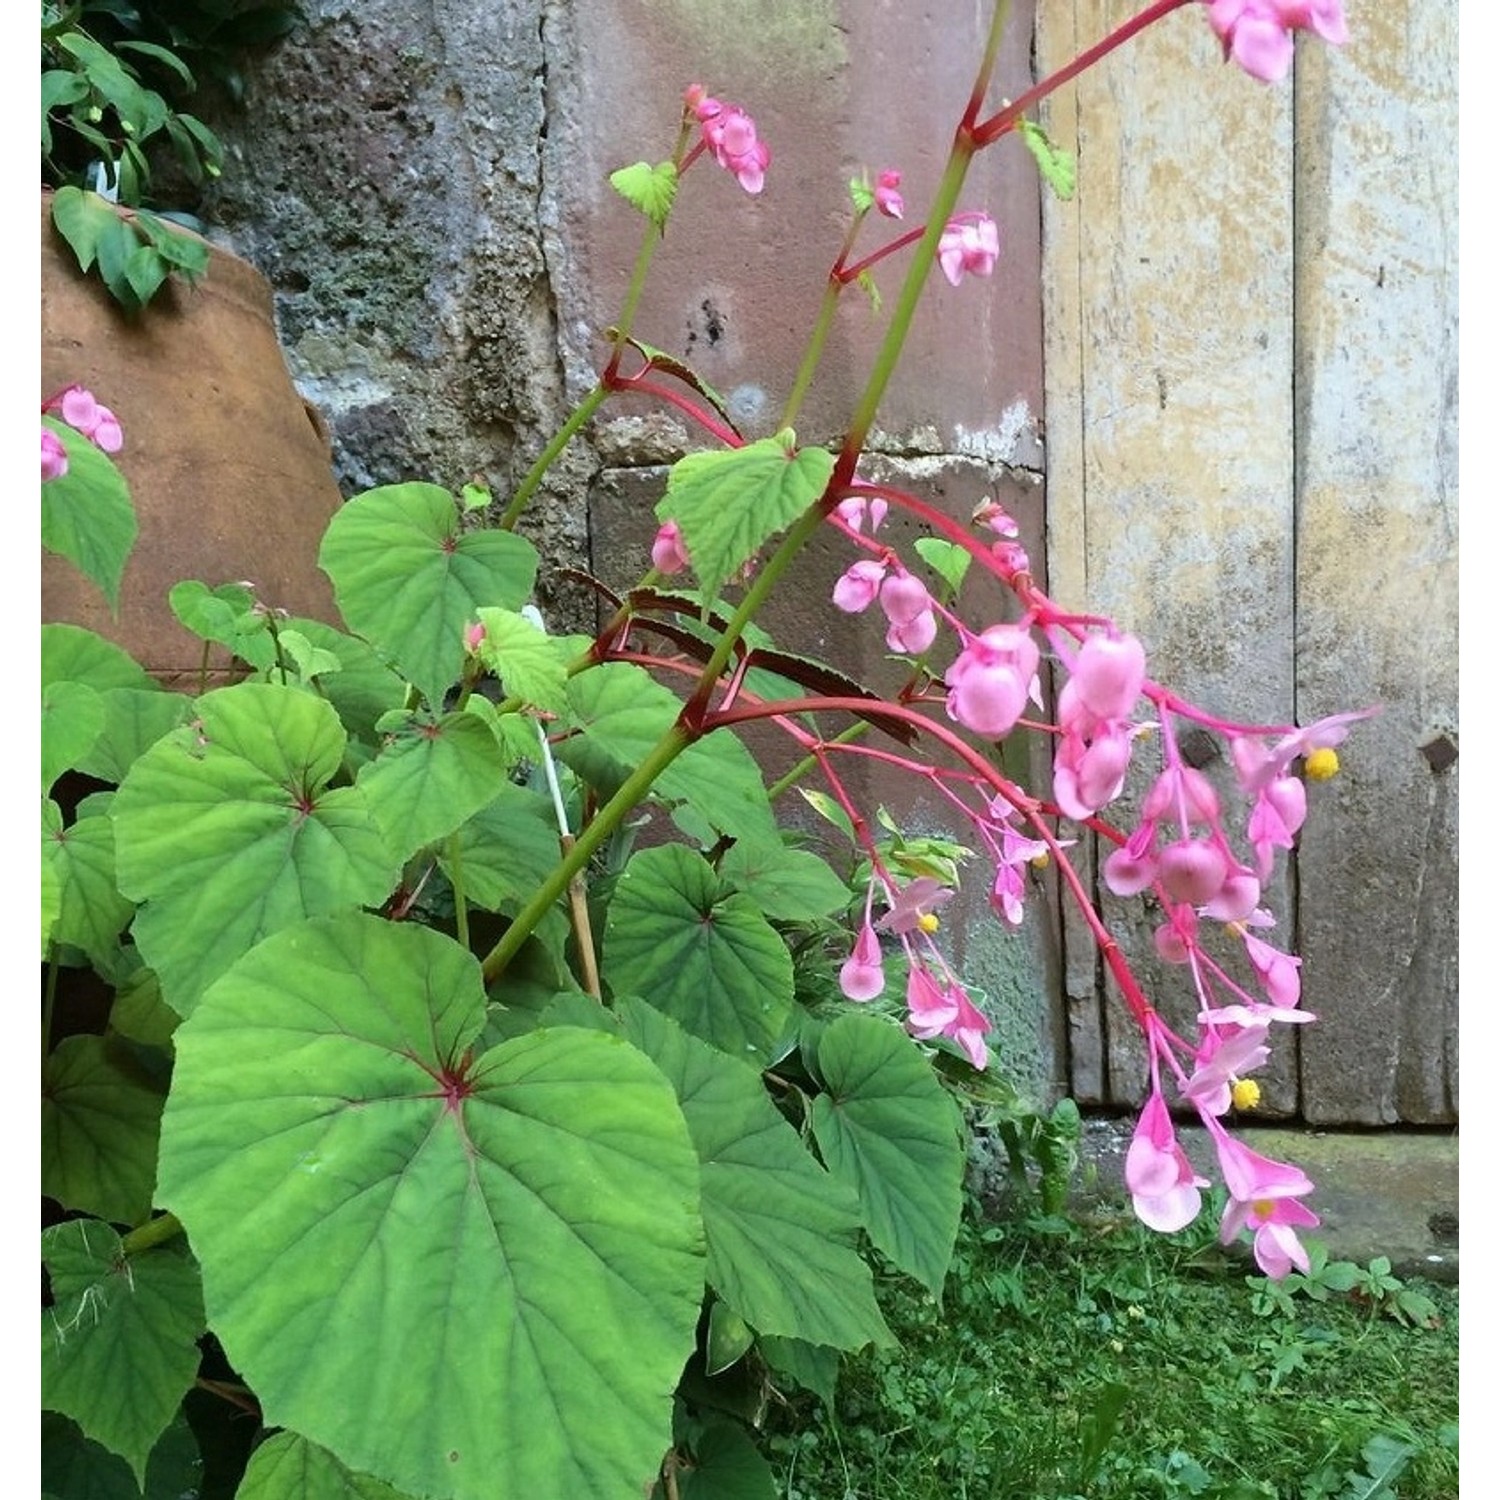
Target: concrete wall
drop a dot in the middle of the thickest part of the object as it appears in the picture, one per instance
(1248, 334)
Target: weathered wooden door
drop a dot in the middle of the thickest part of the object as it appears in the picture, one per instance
(1251, 420)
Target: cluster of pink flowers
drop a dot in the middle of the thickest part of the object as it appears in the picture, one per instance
(78, 408)
(1257, 34)
(730, 136)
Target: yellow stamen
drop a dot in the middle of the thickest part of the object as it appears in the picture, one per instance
(928, 922)
(1320, 765)
(1040, 861)
(1245, 1093)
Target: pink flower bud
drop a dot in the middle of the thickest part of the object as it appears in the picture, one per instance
(1109, 672)
(888, 199)
(54, 455)
(903, 597)
(668, 555)
(1132, 867)
(1236, 898)
(915, 636)
(861, 977)
(1198, 796)
(1192, 870)
(473, 636)
(990, 681)
(1012, 559)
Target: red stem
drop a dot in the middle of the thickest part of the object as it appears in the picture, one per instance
(1005, 119)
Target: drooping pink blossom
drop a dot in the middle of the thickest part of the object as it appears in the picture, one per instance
(970, 243)
(54, 455)
(1221, 1060)
(730, 135)
(1277, 815)
(991, 680)
(1109, 671)
(859, 586)
(934, 1010)
(853, 512)
(862, 975)
(1274, 1223)
(1192, 870)
(1013, 852)
(1257, 34)
(913, 637)
(888, 199)
(1164, 1189)
(1278, 972)
(668, 555)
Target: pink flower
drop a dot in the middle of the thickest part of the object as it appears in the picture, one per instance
(990, 681)
(473, 636)
(730, 134)
(1277, 971)
(852, 512)
(1257, 34)
(862, 976)
(929, 1007)
(1164, 1189)
(1015, 851)
(1222, 1060)
(54, 455)
(1275, 1222)
(78, 408)
(1192, 870)
(1109, 671)
(668, 555)
(1279, 812)
(915, 636)
(945, 1010)
(970, 242)
(859, 586)
(888, 198)
(914, 907)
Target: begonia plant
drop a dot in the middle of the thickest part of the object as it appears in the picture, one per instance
(461, 1141)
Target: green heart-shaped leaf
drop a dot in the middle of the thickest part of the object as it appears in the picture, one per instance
(891, 1131)
(409, 578)
(465, 1275)
(87, 516)
(119, 1343)
(699, 952)
(101, 1117)
(729, 502)
(780, 1230)
(288, 1467)
(227, 830)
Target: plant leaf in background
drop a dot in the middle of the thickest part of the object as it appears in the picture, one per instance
(119, 1343)
(227, 830)
(731, 501)
(892, 1133)
(409, 579)
(101, 1119)
(698, 951)
(781, 1231)
(650, 189)
(287, 1465)
(467, 1276)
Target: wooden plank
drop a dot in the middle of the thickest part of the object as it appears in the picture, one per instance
(1377, 560)
(1169, 357)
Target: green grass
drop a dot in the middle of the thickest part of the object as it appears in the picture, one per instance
(1095, 1359)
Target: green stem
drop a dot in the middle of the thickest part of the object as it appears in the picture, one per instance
(153, 1232)
(601, 826)
(944, 202)
(584, 410)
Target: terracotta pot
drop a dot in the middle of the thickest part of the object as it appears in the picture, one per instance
(228, 467)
